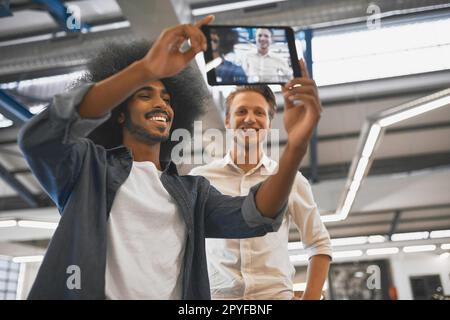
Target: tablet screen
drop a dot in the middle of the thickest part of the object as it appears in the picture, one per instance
(249, 55)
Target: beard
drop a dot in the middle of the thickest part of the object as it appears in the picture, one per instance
(142, 135)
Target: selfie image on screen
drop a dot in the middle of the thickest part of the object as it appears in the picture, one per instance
(251, 55)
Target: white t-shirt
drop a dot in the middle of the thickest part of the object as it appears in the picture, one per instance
(146, 237)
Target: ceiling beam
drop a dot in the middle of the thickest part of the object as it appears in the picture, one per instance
(12, 109)
(354, 135)
(23, 191)
(12, 203)
(387, 223)
(394, 223)
(340, 170)
(61, 14)
(393, 210)
(20, 114)
(385, 165)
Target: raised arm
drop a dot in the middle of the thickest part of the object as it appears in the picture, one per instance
(237, 217)
(301, 115)
(53, 142)
(164, 59)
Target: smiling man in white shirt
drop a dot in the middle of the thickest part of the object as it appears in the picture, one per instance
(264, 65)
(260, 268)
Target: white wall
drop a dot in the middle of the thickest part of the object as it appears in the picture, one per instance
(403, 266)
(407, 265)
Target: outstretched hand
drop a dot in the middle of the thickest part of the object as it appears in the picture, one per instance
(165, 59)
(302, 108)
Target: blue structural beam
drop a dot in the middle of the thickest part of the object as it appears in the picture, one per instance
(313, 159)
(12, 109)
(63, 16)
(23, 191)
(5, 10)
(18, 113)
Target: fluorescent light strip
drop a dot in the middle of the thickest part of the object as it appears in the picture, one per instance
(20, 281)
(445, 246)
(48, 36)
(347, 254)
(37, 224)
(301, 286)
(331, 217)
(213, 64)
(440, 234)
(57, 79)
(231, 6)
(444, 255)
(110, 26)
(358, 174)
(412, 249)
(5, 122)
(38, 108)
(14, 42)
(361, 168)
(351, 195)
(299, 258)
(28, 259)
(382, 251)
(409, 113)
(410, 236)
(8, 223)
(371, 140)
(295, 245)
(348, 241)
(377, 239)
(410, 110)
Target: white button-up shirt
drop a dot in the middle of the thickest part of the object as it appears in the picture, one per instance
(259, 268)
(268, 67)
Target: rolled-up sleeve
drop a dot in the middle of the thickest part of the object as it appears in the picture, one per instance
(53, 143)
(254, 217)
(305, 213)
(237, 217)
(64, 109)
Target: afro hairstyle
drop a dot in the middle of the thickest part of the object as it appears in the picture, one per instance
(187, 90)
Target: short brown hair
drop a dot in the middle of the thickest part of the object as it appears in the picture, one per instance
(263, 90)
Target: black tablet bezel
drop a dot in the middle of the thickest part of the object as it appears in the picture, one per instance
(290, 36)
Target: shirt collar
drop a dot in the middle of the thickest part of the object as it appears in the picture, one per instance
(267, 165)
(264, 55)
(124, 153)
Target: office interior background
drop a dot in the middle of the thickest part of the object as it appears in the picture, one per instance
(379, 163)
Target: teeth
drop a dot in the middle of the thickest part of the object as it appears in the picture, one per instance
(159, 119)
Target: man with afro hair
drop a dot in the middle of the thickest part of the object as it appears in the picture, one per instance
(131, 227)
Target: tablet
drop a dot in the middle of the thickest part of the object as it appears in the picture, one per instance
(239, 55)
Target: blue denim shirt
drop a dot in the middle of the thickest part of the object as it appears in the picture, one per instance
(82, 179)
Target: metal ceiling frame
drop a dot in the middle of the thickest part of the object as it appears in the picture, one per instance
(371, 137)
(20, 114)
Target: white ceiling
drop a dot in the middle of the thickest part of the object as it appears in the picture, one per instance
(30, 20)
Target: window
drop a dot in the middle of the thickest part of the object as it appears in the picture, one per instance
(9, 277)
(423, 287)
(395, 49)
